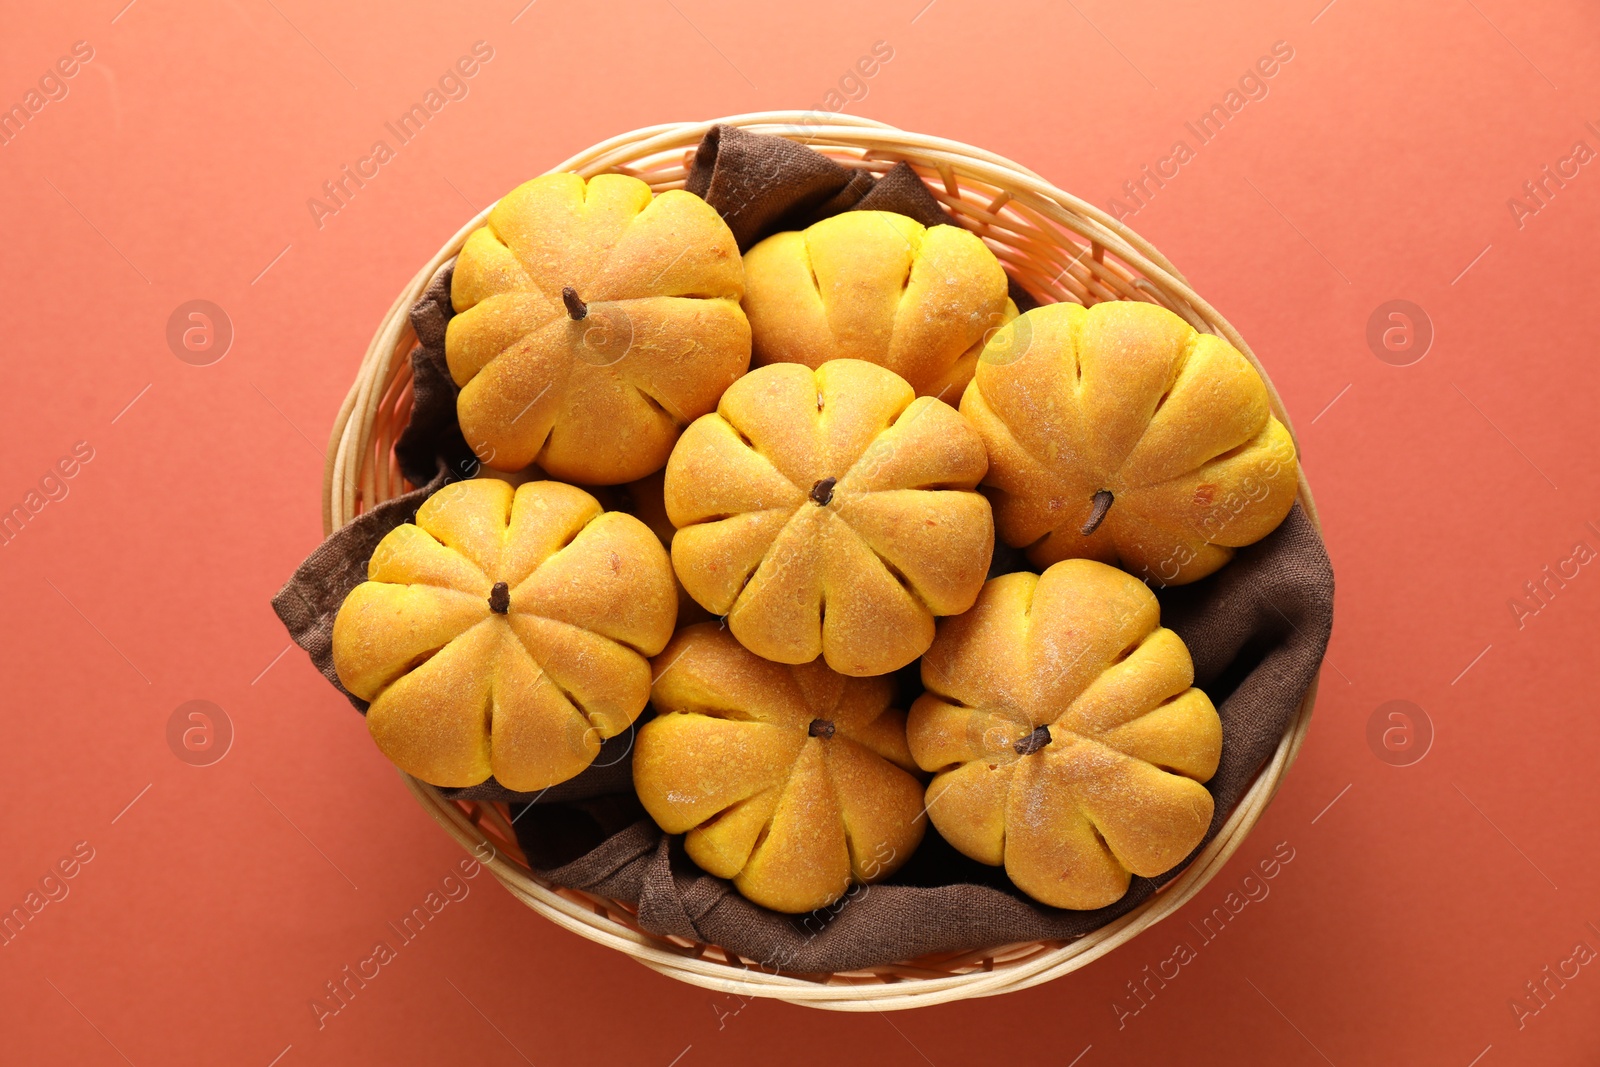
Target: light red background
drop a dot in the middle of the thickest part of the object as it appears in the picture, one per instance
(1381, 162)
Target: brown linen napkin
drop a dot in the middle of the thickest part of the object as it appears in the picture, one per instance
(1257, 631)
(310, 599)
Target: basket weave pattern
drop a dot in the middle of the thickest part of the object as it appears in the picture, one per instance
(1057, 247)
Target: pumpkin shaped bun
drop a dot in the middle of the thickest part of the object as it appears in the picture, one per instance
(830, 512)
(1119, 433)
(506, 632)
(594, 322)
(643, 500)
(793, 781)
(881, 287)
(1069, 743)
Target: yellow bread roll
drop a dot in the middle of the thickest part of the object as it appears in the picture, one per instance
(642, 499)
(505, 632)
(593, 323)
(1068, 742)
(881, 287)
(793, 781)
(1119, 433)
(830, 513)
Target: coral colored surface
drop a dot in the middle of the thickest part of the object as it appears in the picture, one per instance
(1442, 910)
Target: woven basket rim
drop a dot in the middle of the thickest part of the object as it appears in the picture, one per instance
(1030, 224)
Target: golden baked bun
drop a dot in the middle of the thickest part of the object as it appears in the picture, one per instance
(1118, 433)
(507, 632)
(593, 324)
(643, 500)
(792, 781)
(1069, 743)
(831, 513)
(881, 287)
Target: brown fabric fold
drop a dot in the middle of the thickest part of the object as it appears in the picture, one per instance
(310, 599)
(1257, 631)
(432, 437)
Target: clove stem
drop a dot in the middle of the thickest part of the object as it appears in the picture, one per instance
(1102, 504)
(575, 307)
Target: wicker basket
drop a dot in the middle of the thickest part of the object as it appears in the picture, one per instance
(1059, 248)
